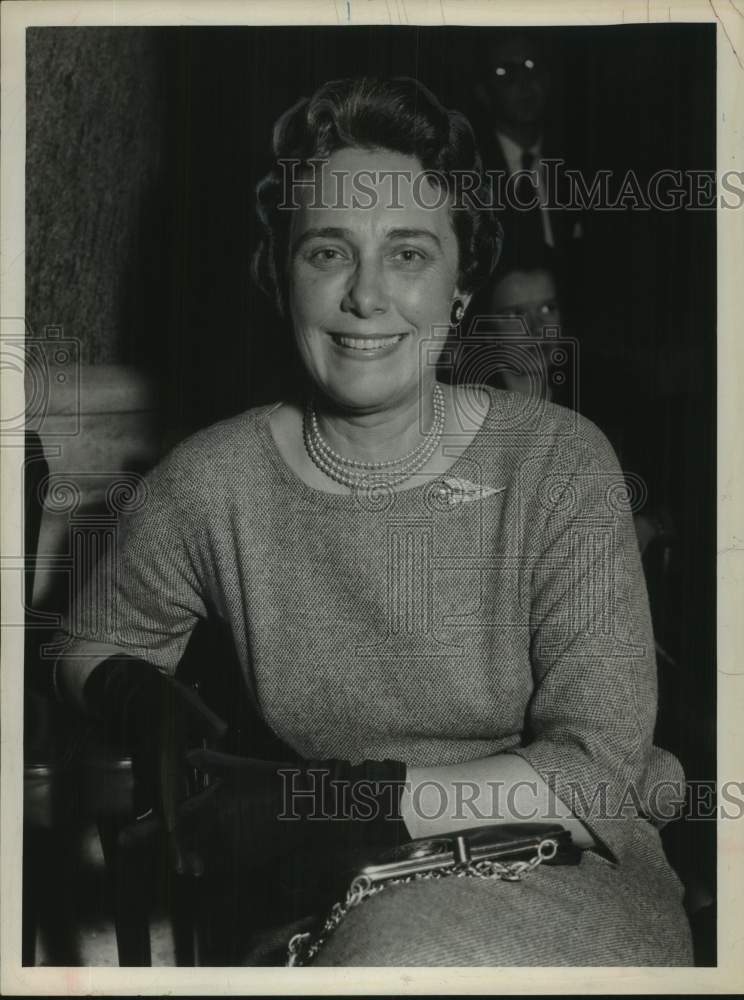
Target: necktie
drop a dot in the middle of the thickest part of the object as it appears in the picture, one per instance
(527, 236)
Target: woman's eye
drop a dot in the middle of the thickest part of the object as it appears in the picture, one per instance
(324, 256)
(409, 256)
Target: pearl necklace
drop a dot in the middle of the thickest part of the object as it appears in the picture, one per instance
(353, 473)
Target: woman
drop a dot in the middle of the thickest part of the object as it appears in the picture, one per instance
(513, 329)
(423, 588)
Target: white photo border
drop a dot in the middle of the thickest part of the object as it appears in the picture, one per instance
(728, 976)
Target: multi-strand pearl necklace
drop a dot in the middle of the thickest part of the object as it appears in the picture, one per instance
(353, 473)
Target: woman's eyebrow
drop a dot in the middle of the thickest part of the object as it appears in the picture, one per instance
(408, 234)
(324, 232)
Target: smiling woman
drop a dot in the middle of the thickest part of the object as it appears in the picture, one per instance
(429, 596)
(373, 284)
(368, 290)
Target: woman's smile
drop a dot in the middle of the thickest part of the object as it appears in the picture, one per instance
(366, 347)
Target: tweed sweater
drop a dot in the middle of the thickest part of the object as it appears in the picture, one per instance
(500, 608)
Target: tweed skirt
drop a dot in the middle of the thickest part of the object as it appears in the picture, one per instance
(596, 913)
(593, 914)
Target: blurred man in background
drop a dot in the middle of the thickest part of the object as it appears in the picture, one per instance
(517, 137)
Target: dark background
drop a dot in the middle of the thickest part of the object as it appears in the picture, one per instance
(144, 149)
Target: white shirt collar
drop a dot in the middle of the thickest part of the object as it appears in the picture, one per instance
(513, 151)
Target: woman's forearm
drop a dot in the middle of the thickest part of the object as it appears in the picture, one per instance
(499, 789)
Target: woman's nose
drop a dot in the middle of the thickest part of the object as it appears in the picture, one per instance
(367, 293)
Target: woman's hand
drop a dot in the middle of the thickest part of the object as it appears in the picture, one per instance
(254, 810)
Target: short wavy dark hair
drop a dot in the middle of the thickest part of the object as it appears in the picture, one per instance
(398, 114)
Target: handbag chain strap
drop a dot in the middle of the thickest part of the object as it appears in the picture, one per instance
(302, 949)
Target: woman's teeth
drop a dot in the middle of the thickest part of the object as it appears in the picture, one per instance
(367, 343)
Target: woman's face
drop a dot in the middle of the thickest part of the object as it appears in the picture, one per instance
(372, 278)
(529, 296)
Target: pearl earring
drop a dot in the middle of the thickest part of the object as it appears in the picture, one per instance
(458, 311)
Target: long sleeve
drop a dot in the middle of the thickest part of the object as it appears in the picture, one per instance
(591, 717)
(143, 597)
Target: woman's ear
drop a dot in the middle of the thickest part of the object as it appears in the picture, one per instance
(459, 306)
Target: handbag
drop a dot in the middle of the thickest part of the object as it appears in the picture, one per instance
(506, 851)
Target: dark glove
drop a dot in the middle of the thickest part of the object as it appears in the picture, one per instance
(254, 811)
(153, 718)
(339, 803)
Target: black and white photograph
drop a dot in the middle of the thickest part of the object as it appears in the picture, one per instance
(366, 499)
